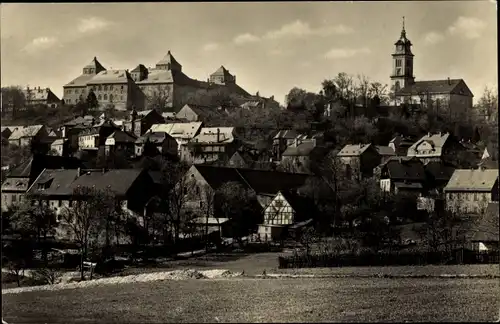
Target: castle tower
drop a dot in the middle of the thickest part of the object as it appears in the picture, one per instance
(402, 63)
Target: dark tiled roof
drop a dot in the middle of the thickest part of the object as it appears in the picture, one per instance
(303, 149)
(118, 181)
(488, 163)
(35, 164)
(218, 176)
(262, 182)
(439, 171)
(286, 134)
(488, 228)
(59, 182)
(405, 169)
(304, 207)
(385, 150)
(434, 86)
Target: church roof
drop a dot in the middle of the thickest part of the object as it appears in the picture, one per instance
(433, 86)
(139, 68)
(95, 64)
(110, 76)
(169, 58)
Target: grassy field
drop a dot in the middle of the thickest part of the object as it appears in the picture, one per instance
(262, 300)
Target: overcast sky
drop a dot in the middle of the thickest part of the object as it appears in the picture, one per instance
(270, 47)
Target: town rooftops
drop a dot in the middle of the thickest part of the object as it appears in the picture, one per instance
(404, 168)
(15, 184)
(353, 150)
(64, 182)
(302, 149)
(436, 87)
(153, 137)
(439, 170)
(36, 163)
(122, 137)
(472, 180)
(27, 131)
(37, 93)
(488, 228)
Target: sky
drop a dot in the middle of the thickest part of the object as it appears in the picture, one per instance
(271, 47)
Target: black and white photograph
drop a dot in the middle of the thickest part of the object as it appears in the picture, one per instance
(250, 162)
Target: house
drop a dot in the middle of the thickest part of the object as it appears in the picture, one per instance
(58, 146)
(130, 188)
(210, 145)
(141, 121)
(402, 174)
(164, 143)
(120, 140)
(95, 137)
(303, 155)
(198, 113)
(486, 235)
(359, 159)
(248, 158)
(265, 184)
(285, 209)
(435, 147)
(385, 152)
(281, 141)
(212, 224)
(41, 96)
(400, 144)
(182, 132)
(470, 191)
(450, 97)
(23, 136)
(23, 175)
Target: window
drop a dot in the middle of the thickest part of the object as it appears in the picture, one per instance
(105, 96)
(99, 97)
(398, 63)
(14, 198)
(122, 87)
(121, 98)
(398, 71)
(110, 97)
(111, 87)
(99, 87)
(105, 87)
(69, 91)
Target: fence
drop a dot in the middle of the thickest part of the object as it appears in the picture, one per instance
(388, 259)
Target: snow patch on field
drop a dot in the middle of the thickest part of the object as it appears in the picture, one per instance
(146, 277)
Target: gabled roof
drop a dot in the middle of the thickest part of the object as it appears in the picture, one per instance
(437, 141)
(59, 182)
(80, 81)
(434, 87)
(262, 182)
(178, 130)
(110, 76)
(28, 131)
(213, 135)
(304, 207)
(37, 94)
(353, 150)
(488, 228)
(405, 169)
(203, 111)
(303, 149)
(153, 137)
(59, 141)
(472, 180)
(286, 134)
(15, 184)
(139, 68)
(36, 163)
(122, 137)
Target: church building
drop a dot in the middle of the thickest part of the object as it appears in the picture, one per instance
(449, 97)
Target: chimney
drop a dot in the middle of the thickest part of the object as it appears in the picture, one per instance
(429, 134)
(38, 88)
(449, 81)
(218, 135)
(272, 97)
(78, 171)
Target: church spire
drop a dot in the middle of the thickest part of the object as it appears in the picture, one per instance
(403, 31)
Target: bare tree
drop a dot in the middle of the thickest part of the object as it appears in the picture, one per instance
(85, 217)
(159, 98)
(207, 208)
(363, 89)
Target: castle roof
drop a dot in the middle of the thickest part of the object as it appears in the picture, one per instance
(110, 76)
(95, 64)
(169, 58)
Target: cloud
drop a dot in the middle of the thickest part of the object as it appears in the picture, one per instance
(92, 24)
(41, 44)
(469, 27)
(299, 28)
(246, 38)
(342, 53)
(210, 47)
(278, 52)
(432, 38)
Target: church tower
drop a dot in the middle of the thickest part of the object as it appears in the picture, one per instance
(402, 63)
